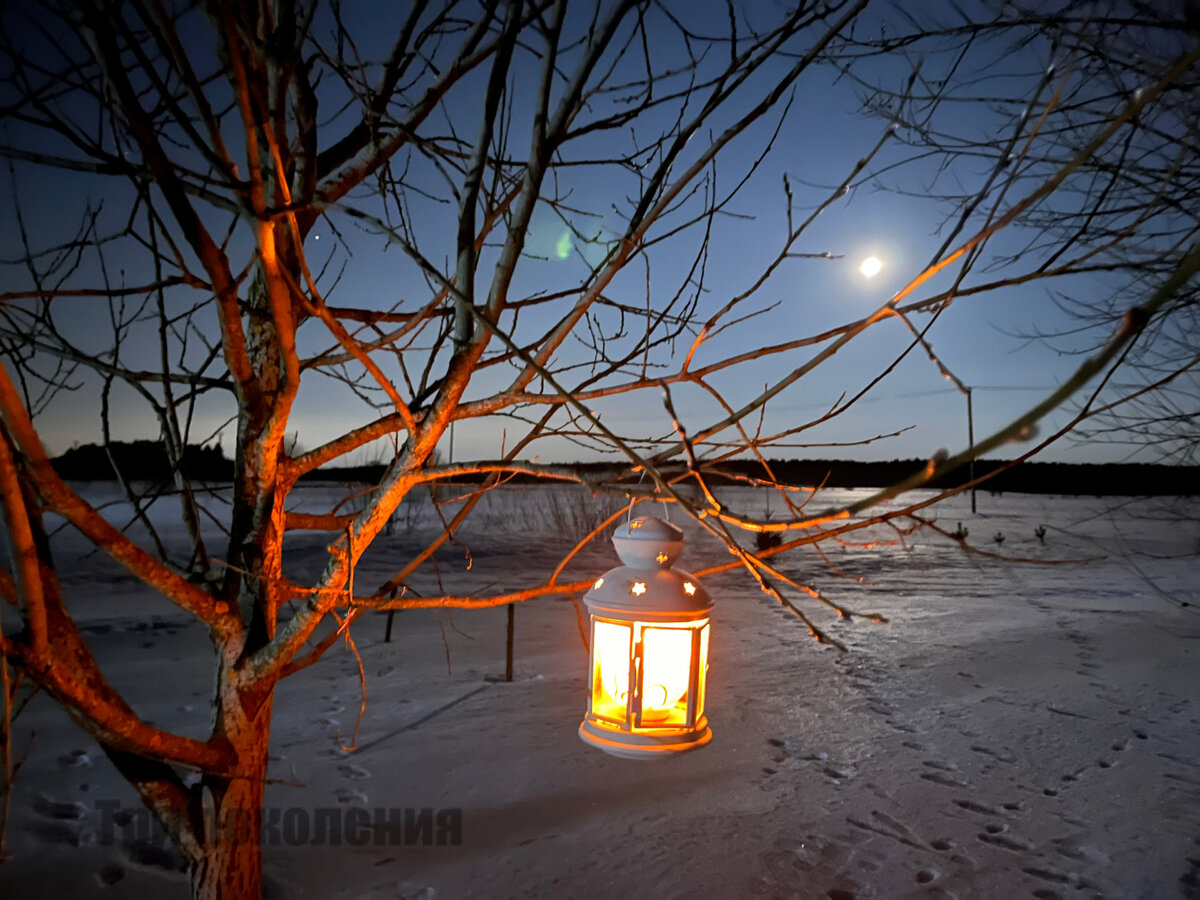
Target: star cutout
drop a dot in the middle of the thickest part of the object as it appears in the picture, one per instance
(639, 588)
(662, 557)
(689, 588)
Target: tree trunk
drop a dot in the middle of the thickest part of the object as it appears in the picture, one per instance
(229, 866)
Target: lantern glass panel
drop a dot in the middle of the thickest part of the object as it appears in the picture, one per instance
(666, 675)
(702, 668)
(610, 670)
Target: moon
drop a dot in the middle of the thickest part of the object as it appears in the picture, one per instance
(870, 266)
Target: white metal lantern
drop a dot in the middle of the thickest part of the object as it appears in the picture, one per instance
(649, 639)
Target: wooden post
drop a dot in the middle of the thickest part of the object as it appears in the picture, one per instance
(387, 634)
(508, 649)
(971, 445)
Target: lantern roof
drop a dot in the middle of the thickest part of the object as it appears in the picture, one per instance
(627, 592)
(647, 587)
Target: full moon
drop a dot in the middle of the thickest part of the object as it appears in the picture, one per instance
(870, 266)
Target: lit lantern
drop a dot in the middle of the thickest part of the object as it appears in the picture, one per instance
(649, 626)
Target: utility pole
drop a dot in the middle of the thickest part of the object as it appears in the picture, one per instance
(508, 638)
(971, 447)
(508, 647)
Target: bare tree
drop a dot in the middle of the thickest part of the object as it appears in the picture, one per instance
(230, 136)
(1122, 216)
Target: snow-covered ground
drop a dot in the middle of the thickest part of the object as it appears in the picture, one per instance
(1016, 730)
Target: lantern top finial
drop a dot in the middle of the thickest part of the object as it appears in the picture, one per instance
(648, 542)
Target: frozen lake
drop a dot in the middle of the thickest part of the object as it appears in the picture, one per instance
(1016, 730)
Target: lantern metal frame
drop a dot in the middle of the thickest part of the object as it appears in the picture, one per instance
(646, 597)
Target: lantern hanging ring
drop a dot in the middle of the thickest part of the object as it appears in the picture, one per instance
(629, 512)
(632, 499)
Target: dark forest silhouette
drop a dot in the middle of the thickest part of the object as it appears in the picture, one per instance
(147, 461)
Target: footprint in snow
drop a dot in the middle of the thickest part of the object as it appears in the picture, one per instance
(56, 809)
(944, 780)
(1189, 881)
(108, 875)
(1001, 755)
(981, 808)
(940, 766)
(780, 752)
(76, 759)
(799, 868)
(71, 833)
(888, 826)
(1050, 875)
(153, 855)
(1017, 845)
(347, 797)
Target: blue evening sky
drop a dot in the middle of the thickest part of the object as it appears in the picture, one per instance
(825, 132)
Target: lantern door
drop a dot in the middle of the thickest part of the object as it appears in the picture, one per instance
(670, 664)
(612, 671)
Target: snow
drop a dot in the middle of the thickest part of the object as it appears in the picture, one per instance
(1015, 730)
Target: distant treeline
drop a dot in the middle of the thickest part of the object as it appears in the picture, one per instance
(1099, 479)
(141, 461)
(147, 460)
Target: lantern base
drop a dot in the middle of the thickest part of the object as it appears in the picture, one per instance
(639, 745)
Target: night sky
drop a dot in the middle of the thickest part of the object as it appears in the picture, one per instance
(827, 129)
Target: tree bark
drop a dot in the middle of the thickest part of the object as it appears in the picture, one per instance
(229, 863)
